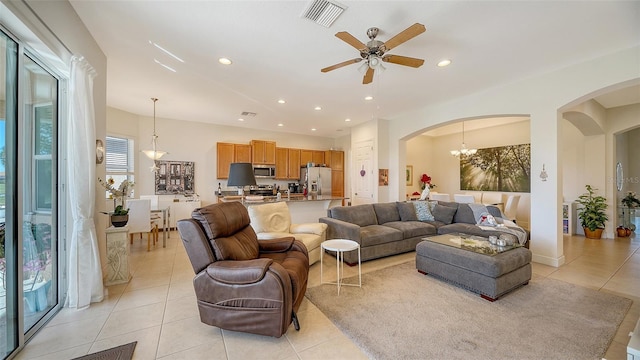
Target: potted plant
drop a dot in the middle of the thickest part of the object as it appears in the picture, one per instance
(592, 214)
(120, 216)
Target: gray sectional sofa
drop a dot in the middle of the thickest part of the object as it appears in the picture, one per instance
(392, 228)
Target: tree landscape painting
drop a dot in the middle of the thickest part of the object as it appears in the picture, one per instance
(503, 168)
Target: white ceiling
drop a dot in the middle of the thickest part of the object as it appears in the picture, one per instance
(278, 54)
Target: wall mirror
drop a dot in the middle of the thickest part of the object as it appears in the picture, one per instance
(619, 177)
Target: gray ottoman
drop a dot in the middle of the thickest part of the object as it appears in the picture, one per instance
(489, 276)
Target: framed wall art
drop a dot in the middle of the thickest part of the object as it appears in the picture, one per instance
(175, 177)
(503, 168)
(409, 175)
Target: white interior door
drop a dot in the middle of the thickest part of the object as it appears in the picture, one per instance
(363, 177)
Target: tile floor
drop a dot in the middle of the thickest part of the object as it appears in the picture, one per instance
(158, 309)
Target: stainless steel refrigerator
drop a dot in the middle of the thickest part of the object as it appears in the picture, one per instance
(316, 179)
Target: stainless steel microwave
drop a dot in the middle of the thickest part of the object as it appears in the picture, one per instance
(264, 171)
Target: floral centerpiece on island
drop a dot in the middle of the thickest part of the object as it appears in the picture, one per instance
(631, 200)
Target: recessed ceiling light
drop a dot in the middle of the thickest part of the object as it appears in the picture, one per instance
(347, 120)
(241, 119)
(317, 108)
(368, 98)
(444, 63)
(313, 129)
(224, 61)
(281, 101)
(281, 125)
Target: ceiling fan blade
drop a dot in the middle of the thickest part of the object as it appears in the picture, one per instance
(368, 77)
(344, 63)
(403, 60)
(407, 34)
(351, 40)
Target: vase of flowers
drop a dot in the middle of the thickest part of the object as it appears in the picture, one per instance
(630, 202)
(425, 180)
(120, 215)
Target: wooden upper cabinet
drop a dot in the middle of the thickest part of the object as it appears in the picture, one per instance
(263, 152)
(334, 159)
(242, 153)
(282, 163)
(305, 157)
(318, 157)
(294, 164)
(337, 183)
(225, 156)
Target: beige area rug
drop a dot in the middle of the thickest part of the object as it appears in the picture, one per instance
(401, 314)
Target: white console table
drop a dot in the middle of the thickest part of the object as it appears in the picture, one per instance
(117, 256)
(179, 210)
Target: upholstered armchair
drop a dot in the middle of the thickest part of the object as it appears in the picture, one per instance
(273, 220)
(243, 284)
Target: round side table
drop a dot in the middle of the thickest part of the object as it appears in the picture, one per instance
(340, 246)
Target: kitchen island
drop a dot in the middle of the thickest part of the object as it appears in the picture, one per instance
(303, 209)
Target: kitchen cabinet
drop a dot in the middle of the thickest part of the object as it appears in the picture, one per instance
(263, 152)
(287, 164)
(318, 157)
(306, 156)
(335, 160)
(315, 156)
(294, 164)
(228, 153)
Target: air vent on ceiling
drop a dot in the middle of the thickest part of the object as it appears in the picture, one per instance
(323, 12)
(247, 113)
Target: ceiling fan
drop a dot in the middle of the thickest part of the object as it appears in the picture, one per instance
(375, 50)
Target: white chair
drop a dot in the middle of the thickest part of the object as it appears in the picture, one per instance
(155, 217)
(511, 207)
(140, 221)
(439, 197)
(493, 198)
(273, 220)
(464, 199)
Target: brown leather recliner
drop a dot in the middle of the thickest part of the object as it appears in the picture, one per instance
(243, 284)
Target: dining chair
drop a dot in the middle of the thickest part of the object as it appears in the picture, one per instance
(439, 197)
(140, 221)
(511, 207)
(155, 217)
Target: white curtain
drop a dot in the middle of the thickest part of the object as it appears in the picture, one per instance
(85, 272)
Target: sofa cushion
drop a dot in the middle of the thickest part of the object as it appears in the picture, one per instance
(495, 211)
(361, 215)
(407, 211)
(378, 234)
(386, 212)
(412, 229)
(444, 213)
(464, 215)
(423, 211)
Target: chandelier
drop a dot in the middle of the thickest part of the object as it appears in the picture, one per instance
(463, 151)
(154, 154)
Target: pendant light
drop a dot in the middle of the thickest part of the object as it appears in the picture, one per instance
(463, 151)
(154, 154)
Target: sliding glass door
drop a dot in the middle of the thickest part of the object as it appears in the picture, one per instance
(8, 201)
(29, 282)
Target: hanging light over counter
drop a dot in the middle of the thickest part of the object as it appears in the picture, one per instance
(154, 154)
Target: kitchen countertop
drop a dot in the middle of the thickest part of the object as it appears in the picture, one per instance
(293, 198)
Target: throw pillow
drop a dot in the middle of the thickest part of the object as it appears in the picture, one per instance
(407, 211)
(423, 213)
(443, 213)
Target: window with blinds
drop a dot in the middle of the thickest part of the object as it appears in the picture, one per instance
(119, 160)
